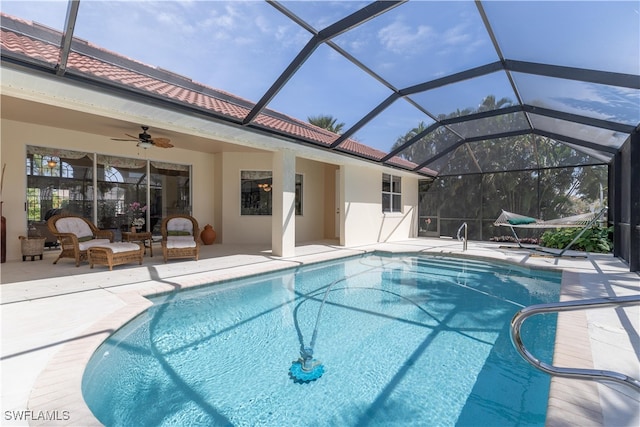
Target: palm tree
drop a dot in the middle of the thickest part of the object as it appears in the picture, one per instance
(489, 103)
(326, 122)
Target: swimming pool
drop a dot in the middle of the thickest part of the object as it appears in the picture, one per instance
(404, 340)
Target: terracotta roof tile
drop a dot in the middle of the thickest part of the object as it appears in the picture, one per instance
(24, 45)
(361, 149)
(199, 96)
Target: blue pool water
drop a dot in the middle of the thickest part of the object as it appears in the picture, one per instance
(404, 340)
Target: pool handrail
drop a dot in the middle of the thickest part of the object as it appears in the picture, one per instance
(577, 373)
(463, 239)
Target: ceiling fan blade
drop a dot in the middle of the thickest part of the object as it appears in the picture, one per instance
(123, 139)
(134, 138)
(162, 142)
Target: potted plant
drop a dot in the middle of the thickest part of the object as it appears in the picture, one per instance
(137, 215)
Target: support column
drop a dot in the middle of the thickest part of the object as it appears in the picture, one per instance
(283, 226)
(634, 201)
(615, 205)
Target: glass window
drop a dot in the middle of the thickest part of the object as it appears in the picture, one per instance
(58, 180)
(255, 189)
(121, 183)
(298, 200)
(391, 193)
(169, 192)
(63, 181)
(256, 197)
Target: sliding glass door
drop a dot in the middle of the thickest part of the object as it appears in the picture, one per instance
(170, 192)
(110, 191)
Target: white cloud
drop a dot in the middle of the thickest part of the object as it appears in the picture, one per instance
(262, 24)
(456, 36)
(226, 20)
(401, 38)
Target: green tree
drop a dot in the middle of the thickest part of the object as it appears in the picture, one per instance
(326, 122)
(592, 184)
(526, 174)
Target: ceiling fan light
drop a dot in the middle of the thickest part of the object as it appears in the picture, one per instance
(145, 144)
(265, 187)
(52, 163)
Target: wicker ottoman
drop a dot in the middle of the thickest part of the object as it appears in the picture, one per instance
(115, 254)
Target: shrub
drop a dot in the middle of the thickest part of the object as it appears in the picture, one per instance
(594, 239)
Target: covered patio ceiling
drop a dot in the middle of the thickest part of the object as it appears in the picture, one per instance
(444, 88)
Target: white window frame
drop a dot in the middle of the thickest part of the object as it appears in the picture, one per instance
(393, 194)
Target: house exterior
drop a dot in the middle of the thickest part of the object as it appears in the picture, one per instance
(102, 96)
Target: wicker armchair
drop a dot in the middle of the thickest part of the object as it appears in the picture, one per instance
(76, 235)
(180, 237)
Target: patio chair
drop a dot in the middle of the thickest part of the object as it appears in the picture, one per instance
(76, 235)
(180, 237)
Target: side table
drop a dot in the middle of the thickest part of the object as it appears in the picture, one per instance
(128, 236)
(31, 246)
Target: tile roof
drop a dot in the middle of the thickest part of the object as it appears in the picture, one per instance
(36, 42)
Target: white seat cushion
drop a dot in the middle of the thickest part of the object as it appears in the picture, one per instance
(119, 246)
(95, 242)
(178, 242)
(73, 225)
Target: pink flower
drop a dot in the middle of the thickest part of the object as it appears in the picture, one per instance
(137, 207)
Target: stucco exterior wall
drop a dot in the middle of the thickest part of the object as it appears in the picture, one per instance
(310, 225)
(238, 228)
(364, 221)
(330, 203)
(256, 229)
(217, 198)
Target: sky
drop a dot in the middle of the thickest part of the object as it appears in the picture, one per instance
(241, 47)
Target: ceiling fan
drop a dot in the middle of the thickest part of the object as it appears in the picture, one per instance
(145, 141)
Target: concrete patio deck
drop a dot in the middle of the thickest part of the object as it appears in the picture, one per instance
(54, 316)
